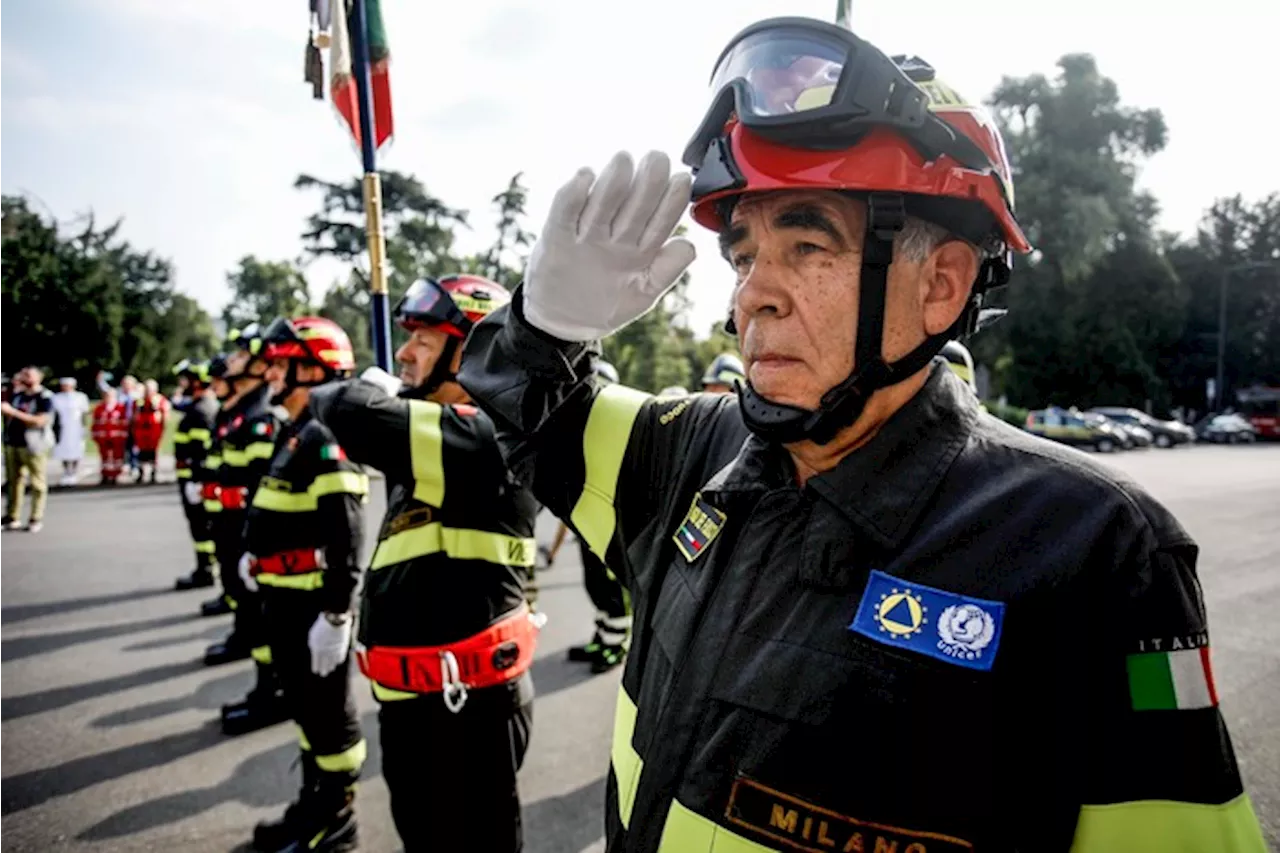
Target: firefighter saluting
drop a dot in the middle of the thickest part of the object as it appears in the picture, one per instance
(445, 634)
(868, 616)
(192, 442)
(302, 538)
(244, 444)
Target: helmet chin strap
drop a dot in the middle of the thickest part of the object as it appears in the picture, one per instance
(292, 383)
(843, 404)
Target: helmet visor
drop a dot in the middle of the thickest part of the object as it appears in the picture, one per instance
(808, 84)
(426, 303)
(281, 340)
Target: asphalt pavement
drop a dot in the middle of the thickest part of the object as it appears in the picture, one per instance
(108, 731)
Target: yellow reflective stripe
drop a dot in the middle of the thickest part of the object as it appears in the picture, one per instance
(303, 743)
(460, 544)
(627, 763)
(347, 761)
(183, 473)
(332, 483)
(426, 451)
(1164, 826)
(688, 832)
(180, 438)
(306, 582)
(213, 461)
(213, 506)
(240, 458)
(386, 694)
(961, 370)
(604, 442)
(200, 434)
(205, 547)
(231, 602)
(262, 654)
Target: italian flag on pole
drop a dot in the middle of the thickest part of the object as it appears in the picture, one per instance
(1171, 681)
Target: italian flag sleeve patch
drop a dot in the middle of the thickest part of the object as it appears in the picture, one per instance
(332, 453)
(1171, 681)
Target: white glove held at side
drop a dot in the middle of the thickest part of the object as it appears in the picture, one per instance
(385, 381)
(329, 644)
(606, 254)
(191, 492)
(243, 569)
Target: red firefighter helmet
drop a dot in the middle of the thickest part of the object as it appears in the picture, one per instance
(310, 339)
(453, 303)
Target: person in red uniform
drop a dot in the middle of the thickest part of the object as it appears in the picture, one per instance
(148, 429)
(110, 432)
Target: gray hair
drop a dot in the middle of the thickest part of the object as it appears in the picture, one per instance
(917, 239)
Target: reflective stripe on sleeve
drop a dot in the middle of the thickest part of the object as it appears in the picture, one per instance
(627, 763)
(426, 451)
(460, 544)
(205, 547)
(604, 443)
(687, 831)
(332, 483)
(347, 761)
(306, 582)
(241, 458)
(201, 435)
(1150, 826)
(261, 654)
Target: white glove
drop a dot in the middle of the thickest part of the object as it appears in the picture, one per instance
(385, 381)
(246, 576)
(606, 255)
(329, 644)
(191, 492)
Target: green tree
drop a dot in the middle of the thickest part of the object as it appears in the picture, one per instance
(506, 259)
(1093, 309)
(264, 290)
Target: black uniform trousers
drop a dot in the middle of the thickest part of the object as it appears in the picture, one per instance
(452, 777)
(228, 539)
(604, 590)
(324, 708)
(198, 522)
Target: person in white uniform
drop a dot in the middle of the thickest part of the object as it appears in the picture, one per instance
(71, 406)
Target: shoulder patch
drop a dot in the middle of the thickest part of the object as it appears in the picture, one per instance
(943, 625)
(332, 453)
(700, 526)
(262, 428)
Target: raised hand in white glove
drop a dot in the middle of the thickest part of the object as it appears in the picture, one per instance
(191, 492)
(606, 255)
(245, 570)
(377, 376)
(329, 643)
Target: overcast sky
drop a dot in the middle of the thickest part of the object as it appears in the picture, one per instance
(190, 118)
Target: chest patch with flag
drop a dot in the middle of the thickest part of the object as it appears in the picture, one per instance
(262, 428)
(332, 453)
(953, 628)
(1180, 679)
(699, 528)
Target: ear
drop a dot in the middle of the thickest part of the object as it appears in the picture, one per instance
(947, 282)
(455, 363)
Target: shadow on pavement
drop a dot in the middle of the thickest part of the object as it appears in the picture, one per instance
(565, 824)
(23, 612)
(14, 707)
(25, 790)
(23, 647)
(215, 632)
(209, 696)
(253, 782)
(553, 673)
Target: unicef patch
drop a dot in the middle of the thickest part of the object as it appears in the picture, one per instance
(943, 625)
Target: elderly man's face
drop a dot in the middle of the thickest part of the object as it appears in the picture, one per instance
(798, 259)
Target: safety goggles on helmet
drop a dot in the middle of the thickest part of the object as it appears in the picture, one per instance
(281, 340)
(310, 339)
(426, 303)
(805, 83)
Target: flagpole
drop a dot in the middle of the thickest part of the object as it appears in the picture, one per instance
(380, 318)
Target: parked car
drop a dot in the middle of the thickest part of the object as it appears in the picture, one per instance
(1163, 433)
(1226, 429)
(1070, 427)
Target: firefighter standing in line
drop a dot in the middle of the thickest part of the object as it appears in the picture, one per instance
(303, 536)
(192, 442)
(246, 433)
(868, 616)
(724, 374)
(445, 634)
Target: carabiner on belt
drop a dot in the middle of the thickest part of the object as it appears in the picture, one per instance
(455, 692)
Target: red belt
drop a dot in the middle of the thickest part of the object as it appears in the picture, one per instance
(497, 655)
(299, 561)
(209, 491)
(233, 497)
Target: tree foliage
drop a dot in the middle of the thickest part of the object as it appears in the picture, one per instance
(264, 290)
